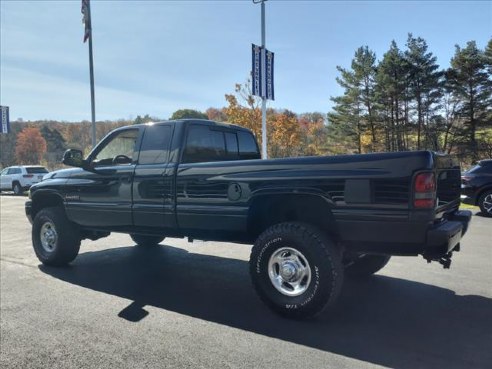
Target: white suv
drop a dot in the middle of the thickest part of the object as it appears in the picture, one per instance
(20, 178)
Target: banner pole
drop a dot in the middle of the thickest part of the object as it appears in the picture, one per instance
(263, 93)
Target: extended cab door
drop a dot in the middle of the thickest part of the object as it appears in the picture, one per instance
(208, 198)
(153, 184)
(103, 197)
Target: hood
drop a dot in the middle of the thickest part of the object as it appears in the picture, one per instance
(62, 173)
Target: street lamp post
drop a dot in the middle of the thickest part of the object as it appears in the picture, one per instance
(263, 92)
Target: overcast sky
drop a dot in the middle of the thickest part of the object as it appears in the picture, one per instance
(154, 57)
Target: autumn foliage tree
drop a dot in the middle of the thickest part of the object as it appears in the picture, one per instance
(284, 135)
(244, 109)
(30, 146)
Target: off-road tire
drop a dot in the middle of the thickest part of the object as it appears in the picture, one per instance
(481, 203)
(146, 241)
(366, 265)
(324, 260)
(67, 244)
(17, 188)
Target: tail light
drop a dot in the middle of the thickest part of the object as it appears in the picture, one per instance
(425, 191)
(28, 175)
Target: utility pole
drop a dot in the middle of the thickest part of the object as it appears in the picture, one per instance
(87, 20)
(93, 100)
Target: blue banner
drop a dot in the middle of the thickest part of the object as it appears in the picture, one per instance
(270, 93)
(4, 113)
(256, 71)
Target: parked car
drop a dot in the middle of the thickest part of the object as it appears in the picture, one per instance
(476, 186)
(21, 178)
(312, 220)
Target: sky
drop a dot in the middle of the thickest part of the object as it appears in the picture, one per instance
(155, 57)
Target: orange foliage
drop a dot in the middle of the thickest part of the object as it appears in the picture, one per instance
(284, 135)
(30, 146)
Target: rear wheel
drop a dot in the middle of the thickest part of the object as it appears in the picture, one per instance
(55, 239)
(365, 265)
(146, 241)
(296, 269)
(17, 188)
(485, 203)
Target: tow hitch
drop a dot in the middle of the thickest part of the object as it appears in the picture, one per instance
(444, 260)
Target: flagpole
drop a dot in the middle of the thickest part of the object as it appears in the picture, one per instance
(91, 69)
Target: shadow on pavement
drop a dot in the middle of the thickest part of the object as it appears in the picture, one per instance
(382, 320)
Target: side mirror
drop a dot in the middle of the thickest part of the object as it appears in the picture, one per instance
(73, 158)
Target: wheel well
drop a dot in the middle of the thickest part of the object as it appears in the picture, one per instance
(479, 194)
(268, 210)
(45, 201)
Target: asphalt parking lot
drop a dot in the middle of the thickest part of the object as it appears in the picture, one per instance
(185, 305)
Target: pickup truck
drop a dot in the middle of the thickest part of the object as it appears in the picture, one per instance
(312, 220)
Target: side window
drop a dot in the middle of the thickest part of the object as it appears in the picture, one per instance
(204, 144)
(155, 145)
(14, 171)
(247, 146)
(121, 145)
(232, 147)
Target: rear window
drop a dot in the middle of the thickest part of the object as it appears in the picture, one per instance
(208, 144)
(36, 170)
(247, 146)
(204, 144)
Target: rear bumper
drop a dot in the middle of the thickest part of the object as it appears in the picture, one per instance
(28, 209)
(405, 237)
(445, 236)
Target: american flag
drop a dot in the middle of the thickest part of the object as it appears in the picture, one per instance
(86, 19)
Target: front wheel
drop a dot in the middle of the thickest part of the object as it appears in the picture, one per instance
(485, 203)
(365, 265)
(146, 241)
(296, 269)
(55, 239)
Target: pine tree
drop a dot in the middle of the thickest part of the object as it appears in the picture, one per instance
(488, 57)
(470, 82)
(392, 82)
(425, 82)
(346, 119)
(364, 69)
(355, 111)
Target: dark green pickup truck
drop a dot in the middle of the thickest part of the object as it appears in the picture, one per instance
(312, 220)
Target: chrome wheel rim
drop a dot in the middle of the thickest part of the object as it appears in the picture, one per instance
(487, 203)
(289, 271)
(48, 236)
